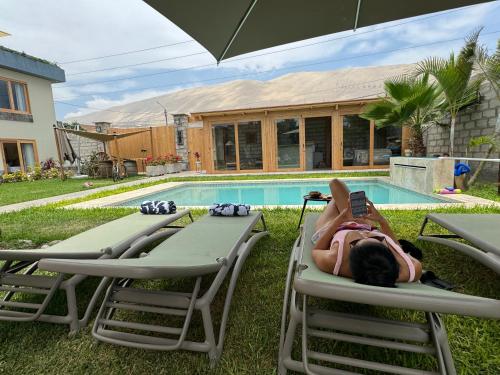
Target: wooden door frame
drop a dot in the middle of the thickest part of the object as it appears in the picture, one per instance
(235, 122)
(371, 146)
(331, 115)
(274, 126)
(18, 143)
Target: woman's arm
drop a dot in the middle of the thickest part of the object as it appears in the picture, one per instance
(325, 240)
(374, 215)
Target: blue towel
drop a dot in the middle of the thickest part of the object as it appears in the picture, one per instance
(461, 168)
(229, 209)
(158, 207)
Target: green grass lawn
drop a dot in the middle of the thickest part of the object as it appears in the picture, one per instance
(487, 191)
(29, 190)
(251, 345)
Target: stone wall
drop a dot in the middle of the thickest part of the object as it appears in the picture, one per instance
(474, 121)
(181, 125)
(88, 146)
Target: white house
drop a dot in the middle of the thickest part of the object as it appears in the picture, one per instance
(26, 110)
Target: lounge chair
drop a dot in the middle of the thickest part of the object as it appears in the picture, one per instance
(209, 248)
(114, 239)
(481, 230)
(305, 282)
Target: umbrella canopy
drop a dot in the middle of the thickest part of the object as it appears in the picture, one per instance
(101, 136)
(228, 28)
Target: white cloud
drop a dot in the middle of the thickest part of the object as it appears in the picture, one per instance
(71, 30)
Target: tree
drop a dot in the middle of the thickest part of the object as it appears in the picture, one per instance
(489, 67)
(410, 101)
(454, 76)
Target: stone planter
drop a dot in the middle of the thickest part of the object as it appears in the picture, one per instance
(154, 170)
(182, 166)
(170, 168)
(198, 166)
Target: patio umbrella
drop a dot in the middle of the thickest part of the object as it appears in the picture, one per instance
(228, 28)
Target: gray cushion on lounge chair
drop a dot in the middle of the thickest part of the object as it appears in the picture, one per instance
(312, 281)
(93, 242)
(478, 229)
(200, 248)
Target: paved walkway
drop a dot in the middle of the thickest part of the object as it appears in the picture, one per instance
(76, 194)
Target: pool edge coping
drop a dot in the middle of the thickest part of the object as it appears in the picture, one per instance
(458, 200)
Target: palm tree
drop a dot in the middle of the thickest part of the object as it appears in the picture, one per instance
(409, 101)
(454, 76)
(489, 66)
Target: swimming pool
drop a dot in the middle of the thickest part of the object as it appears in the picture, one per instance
(282, 193)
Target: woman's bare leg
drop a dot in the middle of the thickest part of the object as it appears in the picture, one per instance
(330, 213)
(340, 194)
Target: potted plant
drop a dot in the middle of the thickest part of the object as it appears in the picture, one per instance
(170, 163)
(197, 162)
(153, 167)
(180, 165)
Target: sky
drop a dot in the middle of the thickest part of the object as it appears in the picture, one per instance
(154, 57)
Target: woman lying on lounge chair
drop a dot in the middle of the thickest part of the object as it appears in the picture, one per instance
(352, 247)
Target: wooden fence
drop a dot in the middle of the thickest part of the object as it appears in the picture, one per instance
(156, 141)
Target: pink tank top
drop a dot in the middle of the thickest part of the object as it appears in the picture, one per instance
(345, 228)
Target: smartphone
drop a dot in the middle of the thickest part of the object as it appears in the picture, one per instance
(358, 203)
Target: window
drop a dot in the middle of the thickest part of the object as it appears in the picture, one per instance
(180, 137)
(250, 145)
(287, 134)
(4, 95)
(17, 155)
(387, 143)
(367, 145)
(13, 96)
(223, 136)
(356, 139)
(237, 145)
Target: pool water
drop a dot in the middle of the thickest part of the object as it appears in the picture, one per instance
(278, 193)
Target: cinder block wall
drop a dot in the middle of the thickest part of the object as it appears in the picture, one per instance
(87, 146)
(474, 121)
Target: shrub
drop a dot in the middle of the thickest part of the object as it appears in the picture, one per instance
(90, 165)
(48, 164)
(15, 177)
(36, 173)
(150, 161)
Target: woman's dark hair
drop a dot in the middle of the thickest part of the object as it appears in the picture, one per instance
(373, 264)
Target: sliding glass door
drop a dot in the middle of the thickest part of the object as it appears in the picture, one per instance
(237, 146)
(365, 145)
(356, 141)
(224, 147)
(250, 145)
(288, 143)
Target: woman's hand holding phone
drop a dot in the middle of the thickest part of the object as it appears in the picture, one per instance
(347, 212)
(373, 213)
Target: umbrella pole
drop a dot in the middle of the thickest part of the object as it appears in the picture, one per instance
(59, 155)
(118, 160)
